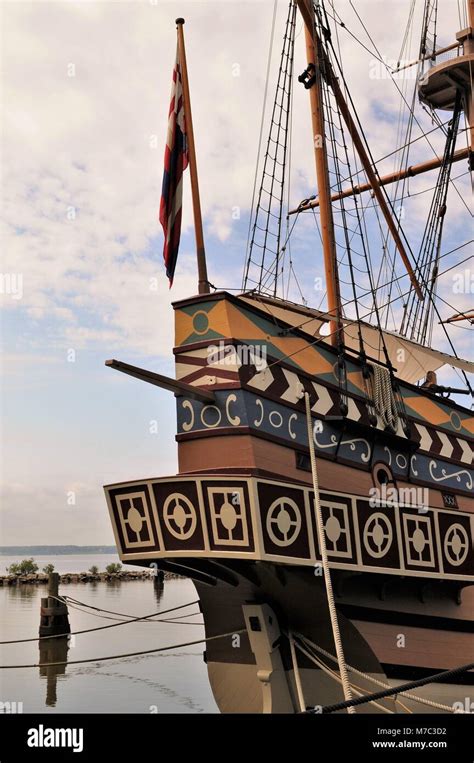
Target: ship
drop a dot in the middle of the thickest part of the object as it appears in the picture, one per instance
(323, 504)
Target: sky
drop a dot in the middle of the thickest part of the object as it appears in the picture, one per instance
(85, 93)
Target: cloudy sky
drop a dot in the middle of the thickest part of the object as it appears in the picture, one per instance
(85, 93)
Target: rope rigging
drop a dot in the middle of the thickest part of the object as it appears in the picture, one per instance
(266, 230)
(352, 233)
(393, 692)
(418, 319)
(428, 34)
(327, 572)
(383, 397)
(318, 651)
(296, 641)
(400, 187)
(337, 140)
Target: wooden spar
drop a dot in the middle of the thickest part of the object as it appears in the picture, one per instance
(415, 169)
(429, 57)
(322, 177)
(165, 382)
(469, 316)
(203, 283)
(330, 77)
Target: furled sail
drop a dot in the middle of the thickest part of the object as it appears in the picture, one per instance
(412, 360)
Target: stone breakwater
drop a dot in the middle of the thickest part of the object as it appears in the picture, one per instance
(41, 578)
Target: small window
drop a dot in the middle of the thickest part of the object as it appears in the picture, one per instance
(303, 462)
(382, 475)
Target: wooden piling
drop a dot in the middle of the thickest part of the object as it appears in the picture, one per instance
(54, 617)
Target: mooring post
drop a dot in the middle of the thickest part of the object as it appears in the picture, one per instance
(54, 613)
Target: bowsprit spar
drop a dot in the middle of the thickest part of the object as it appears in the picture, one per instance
(323, 502)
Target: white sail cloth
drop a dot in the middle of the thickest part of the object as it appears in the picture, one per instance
(411, 360)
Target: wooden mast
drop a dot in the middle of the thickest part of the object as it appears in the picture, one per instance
(322, 177)
(203, 283)
(469, 50)
(307, 11)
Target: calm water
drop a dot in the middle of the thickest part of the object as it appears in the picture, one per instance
(174, 681)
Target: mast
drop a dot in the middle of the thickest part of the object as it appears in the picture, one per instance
(469, 51)
(203, 283)
(307, 12)
(439, 85)
(322, 175)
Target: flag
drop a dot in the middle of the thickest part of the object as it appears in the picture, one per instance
(176, 160)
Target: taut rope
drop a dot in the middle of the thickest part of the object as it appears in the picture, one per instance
(324, 554)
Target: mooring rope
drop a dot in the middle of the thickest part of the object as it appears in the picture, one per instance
(376, 681)
(100, 627)
(397, 690)
(333, 674)
(65, 599)
(171, 620)
(296, 673)
(122, 656)
(324, 554)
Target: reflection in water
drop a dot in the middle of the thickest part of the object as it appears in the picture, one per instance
(52, 650)
(158, 588)
(122, 686)
(22, 591)
(113, 587)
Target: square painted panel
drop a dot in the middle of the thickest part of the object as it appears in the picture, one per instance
(283, 520)
(339, 527)
(177, 504)
(228, 515)
(379, 543)
(133, 518)
(456, 542)
(419, 544)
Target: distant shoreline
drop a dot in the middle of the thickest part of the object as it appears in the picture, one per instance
(40, 578)
(55, 550)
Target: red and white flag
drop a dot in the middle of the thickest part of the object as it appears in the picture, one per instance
(176, 160)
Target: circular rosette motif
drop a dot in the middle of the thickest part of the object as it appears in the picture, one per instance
(180, 516)
(456, 544)
(283, 522)
(378, 535)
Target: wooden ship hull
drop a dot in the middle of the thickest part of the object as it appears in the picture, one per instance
(239, 517)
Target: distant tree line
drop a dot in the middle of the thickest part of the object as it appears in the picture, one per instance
(29, 567)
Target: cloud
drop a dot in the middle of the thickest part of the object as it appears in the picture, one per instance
(84, 132)
(85, 93)
(84, 135)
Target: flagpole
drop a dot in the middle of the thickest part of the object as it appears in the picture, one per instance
(203, 283)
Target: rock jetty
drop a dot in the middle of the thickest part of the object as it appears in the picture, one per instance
(40, 578)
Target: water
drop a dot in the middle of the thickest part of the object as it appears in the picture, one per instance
(168, 682)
